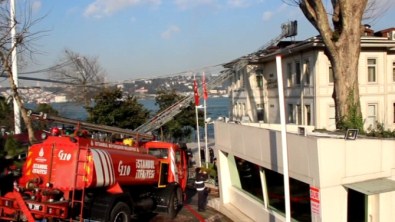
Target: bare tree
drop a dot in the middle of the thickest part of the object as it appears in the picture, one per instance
(342, 38)
(84, 76)
(20, 42)
(375, 9)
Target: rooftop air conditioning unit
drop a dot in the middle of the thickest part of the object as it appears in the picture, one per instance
(392, 35)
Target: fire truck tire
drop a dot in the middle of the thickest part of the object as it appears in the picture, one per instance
(180, 198)
(174, 203)
(120, 213)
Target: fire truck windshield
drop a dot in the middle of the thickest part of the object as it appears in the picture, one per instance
(159, 152)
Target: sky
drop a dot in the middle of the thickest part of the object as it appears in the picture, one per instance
(136, 39)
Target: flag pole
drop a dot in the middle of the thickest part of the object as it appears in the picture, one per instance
(198, 137)
(205, 135)
(196, 95)
(206, 154)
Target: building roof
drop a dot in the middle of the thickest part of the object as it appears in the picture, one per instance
(384, 32)
(379, 40)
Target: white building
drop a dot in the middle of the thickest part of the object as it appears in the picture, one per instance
(331, 178)
(308, 85)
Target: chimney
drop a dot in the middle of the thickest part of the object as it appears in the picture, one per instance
(366, 30)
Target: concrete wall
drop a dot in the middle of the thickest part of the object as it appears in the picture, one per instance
(323, 162)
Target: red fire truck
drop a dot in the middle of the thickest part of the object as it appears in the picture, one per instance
(84, 177)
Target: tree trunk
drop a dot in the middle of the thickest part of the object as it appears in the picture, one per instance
(342, 47)
(343, 54)
(346, 89)
(7, 67)
(26, 118)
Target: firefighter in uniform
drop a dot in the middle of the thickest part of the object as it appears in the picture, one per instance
(201, 177)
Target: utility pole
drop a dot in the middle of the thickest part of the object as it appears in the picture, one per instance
(17, 111)
(284, 144)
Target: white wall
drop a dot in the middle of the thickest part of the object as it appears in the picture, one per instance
(323, 162)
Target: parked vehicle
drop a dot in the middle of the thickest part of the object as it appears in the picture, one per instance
(82, 177)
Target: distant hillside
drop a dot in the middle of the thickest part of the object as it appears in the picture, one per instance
(181, 84)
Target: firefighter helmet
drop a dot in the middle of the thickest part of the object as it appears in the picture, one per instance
(55, 131)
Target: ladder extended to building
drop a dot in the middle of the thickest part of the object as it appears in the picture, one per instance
(167, 114)
(288, 30)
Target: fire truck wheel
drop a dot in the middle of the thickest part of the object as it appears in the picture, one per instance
(173, 205)
(120, 213)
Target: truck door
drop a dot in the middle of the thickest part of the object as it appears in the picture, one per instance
(182, 169)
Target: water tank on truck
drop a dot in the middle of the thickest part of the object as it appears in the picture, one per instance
(76, 177)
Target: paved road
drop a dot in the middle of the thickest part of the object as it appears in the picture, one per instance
(189, 213)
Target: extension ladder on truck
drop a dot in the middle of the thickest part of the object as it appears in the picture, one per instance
(167, 114)
(80, 172)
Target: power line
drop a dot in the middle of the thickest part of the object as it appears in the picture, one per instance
(52, 68)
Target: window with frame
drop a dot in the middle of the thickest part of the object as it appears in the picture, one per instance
(235, 109)
(393, 71)
(371, 118)
(259, 81)
(372, 69)
(260, 112)
(330, 74)
(242, 82)
(394, 112)
(289, 75)
(299, 114)
(298, 73)
(332, 117)
(307, 72)
(299, 195)
(291, 118)
(250, 177)
(307, 118)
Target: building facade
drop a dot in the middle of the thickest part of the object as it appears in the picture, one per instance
(331, 177)
(308, 85)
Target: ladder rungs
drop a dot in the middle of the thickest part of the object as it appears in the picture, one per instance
(79, 165)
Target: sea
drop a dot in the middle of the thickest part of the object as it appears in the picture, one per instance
(216, 107)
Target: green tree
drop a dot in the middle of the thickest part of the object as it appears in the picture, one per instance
(12, 148)
(112, 109)
(46, 108)
(181, 127)
(9, 147)
(3, 153)
(6, 114)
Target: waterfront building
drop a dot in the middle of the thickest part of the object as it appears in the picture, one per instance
(332, 177)
(308, 84)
